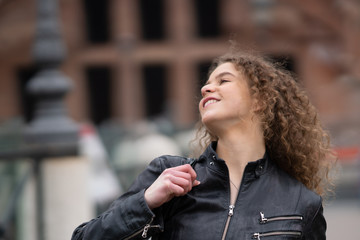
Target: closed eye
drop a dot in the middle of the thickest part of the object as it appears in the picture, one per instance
(223, 81)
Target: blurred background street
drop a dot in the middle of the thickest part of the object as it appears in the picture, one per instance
(91, 91)
(342, 212)
(343, 219)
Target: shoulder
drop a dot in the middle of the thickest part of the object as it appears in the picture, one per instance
(289, 181)
(169, 161)
(287, 190)
(305, 199)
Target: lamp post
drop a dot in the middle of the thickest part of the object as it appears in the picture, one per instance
(51, 126)
(51, 132)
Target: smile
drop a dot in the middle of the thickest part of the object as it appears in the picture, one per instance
(211, 101)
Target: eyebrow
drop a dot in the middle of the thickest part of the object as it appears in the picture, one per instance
(220, 75)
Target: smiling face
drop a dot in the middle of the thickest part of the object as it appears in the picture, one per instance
(226, 98)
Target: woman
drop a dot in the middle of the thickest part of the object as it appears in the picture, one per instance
(260, 177)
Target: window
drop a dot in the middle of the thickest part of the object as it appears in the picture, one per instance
(154, 77)
(97, 21)
(207, 18)
(99, 92)
(152, 19)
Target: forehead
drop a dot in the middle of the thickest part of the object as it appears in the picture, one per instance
(224, 68)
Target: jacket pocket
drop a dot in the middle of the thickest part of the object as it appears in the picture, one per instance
(272, 234)
(281, 227)
(263, 219)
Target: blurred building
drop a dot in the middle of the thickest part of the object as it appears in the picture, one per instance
(136, 59)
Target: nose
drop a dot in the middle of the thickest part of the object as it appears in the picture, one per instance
(208, 88)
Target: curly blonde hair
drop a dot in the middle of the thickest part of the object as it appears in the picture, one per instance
(294, 137)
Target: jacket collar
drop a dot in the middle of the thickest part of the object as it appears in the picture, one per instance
(258, 167)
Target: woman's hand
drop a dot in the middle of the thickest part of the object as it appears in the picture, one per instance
(172, 182)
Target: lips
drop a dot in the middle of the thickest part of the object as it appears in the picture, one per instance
(209, 100)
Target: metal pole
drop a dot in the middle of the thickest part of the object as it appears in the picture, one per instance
(40, 217)
(51, 132)
(51, 124)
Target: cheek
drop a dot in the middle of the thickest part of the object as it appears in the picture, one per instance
(243, 105)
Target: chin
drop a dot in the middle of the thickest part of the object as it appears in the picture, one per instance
(212, 117)
(206, 119)
(209, 122)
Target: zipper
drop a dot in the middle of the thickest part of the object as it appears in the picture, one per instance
(230, 214)
(144, 230)
(231, 210)
(231, 206)
(264, 219)
(258, 236)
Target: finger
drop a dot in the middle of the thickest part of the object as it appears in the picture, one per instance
(195, 183)
(175, 190)
(184, 183)
(187, 168)
(193, 175)
(189, 181)
(178, 173)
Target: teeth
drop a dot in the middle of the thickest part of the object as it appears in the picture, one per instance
(210, 102)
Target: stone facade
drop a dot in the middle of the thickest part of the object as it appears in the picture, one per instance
(320, 39)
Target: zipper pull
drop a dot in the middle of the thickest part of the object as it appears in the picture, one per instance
(256, 236)
(231, 210)
(263, 219)
(146, 229)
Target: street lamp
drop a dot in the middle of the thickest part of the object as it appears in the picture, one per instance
(51, 132)
(51, 129)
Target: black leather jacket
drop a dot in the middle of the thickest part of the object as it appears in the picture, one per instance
(270, 205)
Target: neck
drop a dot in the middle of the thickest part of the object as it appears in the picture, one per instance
(240, 145)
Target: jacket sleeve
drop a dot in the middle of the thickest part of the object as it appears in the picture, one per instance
(317, 228)
(128, 216)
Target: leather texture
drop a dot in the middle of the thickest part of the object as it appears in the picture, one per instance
(292, 210)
